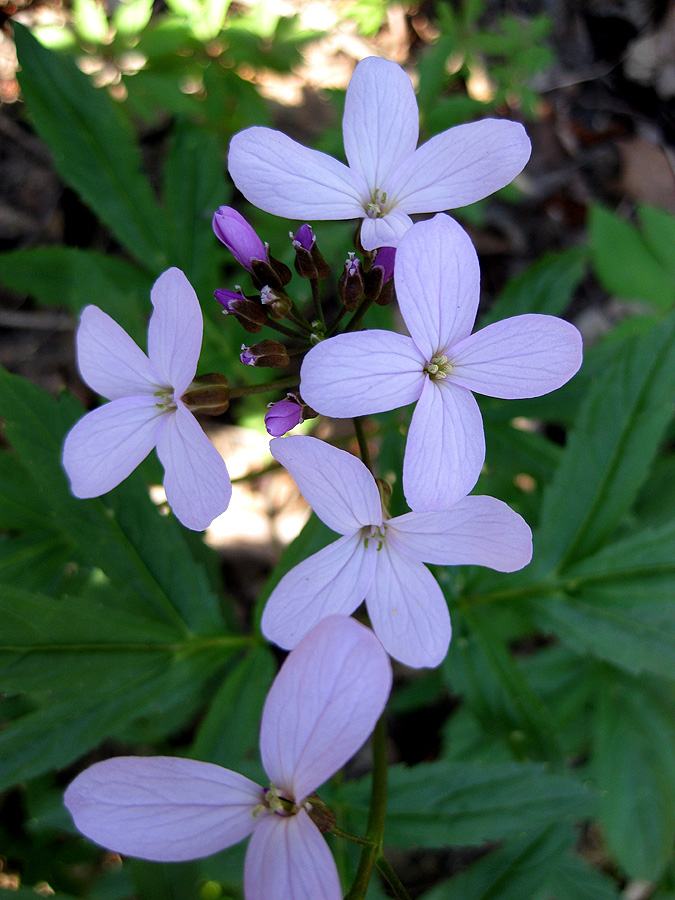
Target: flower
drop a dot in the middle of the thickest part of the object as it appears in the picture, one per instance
(437, 285)
(381, 559)
(146, 409)
(387, 178)
(321, 708)
(232, 229)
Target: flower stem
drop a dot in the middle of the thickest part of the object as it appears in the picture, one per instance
(363, 443)
(376, 816)
(317, 301)
(279, 385)
(282, 329)
(355, 322)
(392, 878)
(351, 837)
(336, 321)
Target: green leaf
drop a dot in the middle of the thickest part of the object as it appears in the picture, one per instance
(432, 804)
(573, 879)
(609, 451)
(625, 264)
(513, 872)
(658, 232)
(73, 278)
(544, 287)
(635, 765)
(93, 148)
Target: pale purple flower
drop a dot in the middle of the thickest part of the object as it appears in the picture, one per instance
(381, 559)
(321, 708)
(232, 229)
(437, 285)
(387, 179)
(145, 408)
(282, 416)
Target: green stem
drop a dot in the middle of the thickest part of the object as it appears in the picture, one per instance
(279, 385)
(376, 816)
(336, 321)
(363, 443)
(317, 301)
(392, 878)
(282, 329)
(350, 837)
(355, 322)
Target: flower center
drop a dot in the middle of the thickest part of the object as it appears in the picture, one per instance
(378, 205)
(374, 533)
(276, 803)
(165, 400)
(438, 368)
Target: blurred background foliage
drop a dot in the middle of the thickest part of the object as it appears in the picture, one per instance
(539, 760)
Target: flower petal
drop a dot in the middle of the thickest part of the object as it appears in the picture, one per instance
(282, 177)
(437, 280)
(362, 373)
(525, 356)
(323, 705)
(196, 480)
(445, 450)
(460, 166)
(386, 231)
(175, 330)
(408, 611)
(475, 531)
(337, 485)
(161, 807)
(109, 361)
(333, 581)
(381, 120)
(104, 447)
(288, 859)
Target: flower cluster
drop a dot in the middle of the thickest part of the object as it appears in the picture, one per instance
(334, 684)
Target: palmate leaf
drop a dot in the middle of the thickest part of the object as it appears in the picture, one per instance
(439, 803)
(609, 451)
(93, 148)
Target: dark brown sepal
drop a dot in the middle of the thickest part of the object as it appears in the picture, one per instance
(386, 294)
(323, 818)
(207, 395)
(270, 354)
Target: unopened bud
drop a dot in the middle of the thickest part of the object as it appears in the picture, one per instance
(238, 236)
(270, 272)
(266, 353)
(309, 261)
(378, 285)
(282, 416)
(278, 304)
(350, 284)
(320, 814)
(251, 315)
(207, 394)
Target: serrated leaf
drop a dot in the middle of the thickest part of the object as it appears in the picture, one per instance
(93, 148)
(573, 879)
(609, 451)
(635, 765)
(625, 265)
(432, 804)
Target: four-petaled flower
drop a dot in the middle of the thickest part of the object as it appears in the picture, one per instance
(437, 285)
(387, 179)
(322, 707)
(145, 408)
(381, 559)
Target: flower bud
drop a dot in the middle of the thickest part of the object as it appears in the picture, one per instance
(271, 272)
(278, 305)
(309, 262)
(238, 236)
(207, 394)
(350, 284)
(378, 284)
(282, 416)
(265, 353)
(319, 813)
(251, 315)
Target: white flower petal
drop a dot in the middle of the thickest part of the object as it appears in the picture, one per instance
(288, 859)
(437, 280)
(333, 581)
(196, 481)
(162, 808)
(445, 450)
(475, 531)
(381, 120)
(282, 177)
(323, 705)
(460, 166)
(525, 356)
(104, 447)
(175, 330)
(408, 611)
(338, 487)
(109, 361)
(386, 231)
(362, 373)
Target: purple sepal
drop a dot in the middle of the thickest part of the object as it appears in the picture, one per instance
(238, 236)
(304, 237)
(282, 416)
(385, 261)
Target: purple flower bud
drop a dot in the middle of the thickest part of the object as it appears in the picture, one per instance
(227, 298)
(246, 356)
(385, 261)
(282, 416)
(238, 236)
(268, 296)
(304, 237)
(352, 266)
(265, 353)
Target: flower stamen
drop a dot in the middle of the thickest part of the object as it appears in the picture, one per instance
(438, 368)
